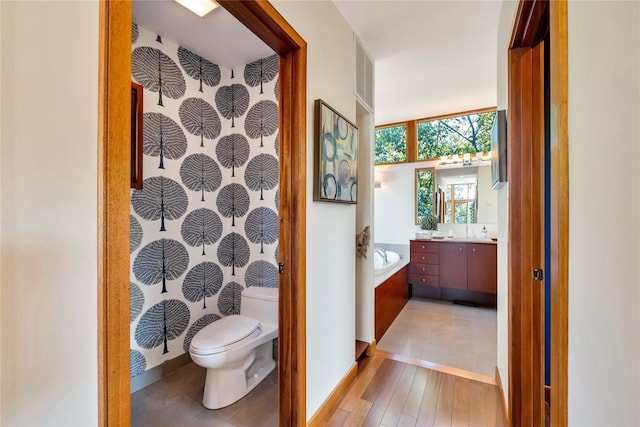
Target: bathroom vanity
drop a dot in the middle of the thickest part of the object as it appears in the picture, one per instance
(463, 270)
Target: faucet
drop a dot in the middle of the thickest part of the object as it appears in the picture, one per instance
(382, 253)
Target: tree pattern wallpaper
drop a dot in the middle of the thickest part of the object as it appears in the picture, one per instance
(205, 224)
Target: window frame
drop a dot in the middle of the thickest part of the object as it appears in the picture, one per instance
(406, 143)
(412, 134)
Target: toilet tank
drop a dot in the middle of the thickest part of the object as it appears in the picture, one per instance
(260, 303)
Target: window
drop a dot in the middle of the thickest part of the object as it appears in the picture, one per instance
(455, 135)
(460, 206)
(391, 144)
(424, 192)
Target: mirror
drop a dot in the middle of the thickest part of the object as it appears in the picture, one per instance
(455, 194)
(458, 188)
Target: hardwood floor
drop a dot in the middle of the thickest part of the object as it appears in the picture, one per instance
(390, 393)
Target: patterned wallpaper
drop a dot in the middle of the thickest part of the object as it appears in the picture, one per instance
(205, 224)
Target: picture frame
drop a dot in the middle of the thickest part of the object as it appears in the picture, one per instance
(499, 150)
(336, 156)
(136, 135)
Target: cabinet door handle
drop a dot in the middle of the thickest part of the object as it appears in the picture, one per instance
(423, 280)
(423, 247)
(423, 268)
(460, 249)
(474, 249)
(423, 257)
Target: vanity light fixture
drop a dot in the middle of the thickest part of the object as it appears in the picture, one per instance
(199, 7)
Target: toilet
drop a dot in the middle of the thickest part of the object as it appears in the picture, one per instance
(237, 350)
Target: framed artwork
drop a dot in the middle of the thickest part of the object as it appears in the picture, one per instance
(136, 135)
(336, 156)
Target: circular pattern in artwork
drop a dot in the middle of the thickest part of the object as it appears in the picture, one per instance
(344, 172)
(330, 186)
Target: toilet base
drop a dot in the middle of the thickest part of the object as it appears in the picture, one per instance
(223, 387)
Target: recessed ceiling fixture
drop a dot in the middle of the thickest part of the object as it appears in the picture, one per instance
(199, 7)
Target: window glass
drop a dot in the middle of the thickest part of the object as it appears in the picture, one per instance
(424, 192)
(391, 144)
(455, 135)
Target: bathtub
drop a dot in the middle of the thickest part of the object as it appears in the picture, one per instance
(379, 264)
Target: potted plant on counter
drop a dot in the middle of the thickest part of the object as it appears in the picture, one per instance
(428, 224)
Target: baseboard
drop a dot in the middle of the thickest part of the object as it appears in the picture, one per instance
(503, 399)
(152, 375)
(324, 411)
(371, 349)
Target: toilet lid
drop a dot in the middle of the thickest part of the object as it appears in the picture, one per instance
(217, 336)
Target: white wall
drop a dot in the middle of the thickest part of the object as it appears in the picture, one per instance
(395, 204)
(487, 198)
(49, 213)
(330, 227)
(507, 16)
(604, 291)
(365, 280)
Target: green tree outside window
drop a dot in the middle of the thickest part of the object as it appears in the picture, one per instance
(391, 144)
(455, 135)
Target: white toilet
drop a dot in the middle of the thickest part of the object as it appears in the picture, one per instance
(238, 350)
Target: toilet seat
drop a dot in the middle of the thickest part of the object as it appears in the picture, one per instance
(224, 334)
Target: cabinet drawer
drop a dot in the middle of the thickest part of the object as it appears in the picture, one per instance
(424, 258)
(430, 269)
(426, 247)
(423, 279)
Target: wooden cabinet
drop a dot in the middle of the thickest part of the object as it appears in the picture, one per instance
(453, 267)
(424, 266)
(482, 268)
(453, 264)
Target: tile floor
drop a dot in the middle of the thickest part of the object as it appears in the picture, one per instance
(176, 400)
(453, 335)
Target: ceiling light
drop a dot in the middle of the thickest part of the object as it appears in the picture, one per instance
(199, 7)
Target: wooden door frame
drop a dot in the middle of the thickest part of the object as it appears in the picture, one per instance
(525, 348)
(113, 206)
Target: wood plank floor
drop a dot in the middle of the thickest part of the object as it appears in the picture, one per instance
(390, 393)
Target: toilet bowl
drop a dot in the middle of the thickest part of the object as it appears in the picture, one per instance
(237, 350)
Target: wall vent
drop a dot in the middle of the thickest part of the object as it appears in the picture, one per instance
(364, 75)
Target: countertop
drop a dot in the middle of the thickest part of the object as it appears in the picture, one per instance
(462, 240)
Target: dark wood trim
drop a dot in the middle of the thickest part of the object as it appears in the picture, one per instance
(113, 192)
(441, 116)
(532, 23)
(265, 21)
(137, 96)
(526, 214)
(559, 212)
(114, 148)
(503, 402)
(412, 141)
(526, 235)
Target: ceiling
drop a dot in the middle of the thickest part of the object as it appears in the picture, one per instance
(432, 57)
(218, 37)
